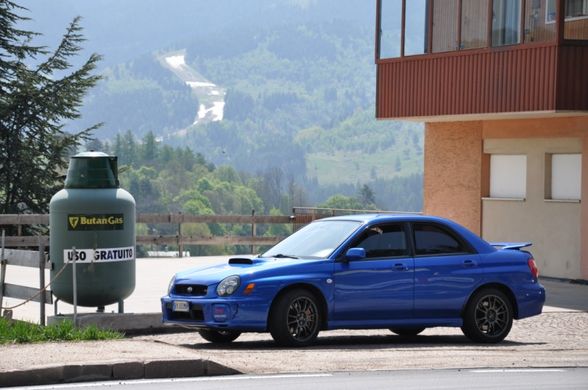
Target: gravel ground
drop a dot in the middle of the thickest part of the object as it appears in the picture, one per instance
(553, 339)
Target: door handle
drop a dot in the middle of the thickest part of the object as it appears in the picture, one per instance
(400, 267)
(469, 263)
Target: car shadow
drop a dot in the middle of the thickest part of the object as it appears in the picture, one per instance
(373, 342)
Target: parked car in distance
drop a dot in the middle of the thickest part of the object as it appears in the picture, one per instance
(405, 273)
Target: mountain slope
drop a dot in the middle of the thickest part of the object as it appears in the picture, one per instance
(297, 76)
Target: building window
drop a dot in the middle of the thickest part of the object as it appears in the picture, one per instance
(390, 28)
(576, 21)
(474, 24)
(564, 176)
(506, 22)
(537, 15)
(416, 27)
(508, 176)
(574, 9)
(445, 25)
(551, 13)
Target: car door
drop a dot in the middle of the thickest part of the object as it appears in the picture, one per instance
(446, 271)
(380, 286)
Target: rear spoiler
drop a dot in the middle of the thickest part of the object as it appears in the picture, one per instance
(511, 245)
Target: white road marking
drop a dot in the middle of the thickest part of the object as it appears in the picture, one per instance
(508, 370)
(169, 380)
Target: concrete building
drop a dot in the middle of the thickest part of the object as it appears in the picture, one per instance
(502, 86)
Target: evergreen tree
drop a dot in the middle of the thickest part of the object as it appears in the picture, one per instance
(35, 102)
(149, 147)
(367, 197)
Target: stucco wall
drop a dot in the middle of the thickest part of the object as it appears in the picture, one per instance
(584, 227)
(453, 172)
(553, 227)
(457, 177)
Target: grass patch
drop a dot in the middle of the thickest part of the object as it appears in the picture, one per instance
(19, 332)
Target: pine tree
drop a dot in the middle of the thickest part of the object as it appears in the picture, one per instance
(39, 93)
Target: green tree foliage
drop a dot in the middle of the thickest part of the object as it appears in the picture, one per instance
(342, 202)
(40, 91)
(364, 200)
(166, 179)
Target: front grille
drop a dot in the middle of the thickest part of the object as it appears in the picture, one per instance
(193, 290)
(195, 314)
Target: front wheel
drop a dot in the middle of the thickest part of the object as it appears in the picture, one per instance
(407, 332)
(295, 319)
(488, 316)
(219, 336)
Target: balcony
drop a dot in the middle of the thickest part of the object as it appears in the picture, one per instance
(489, 59)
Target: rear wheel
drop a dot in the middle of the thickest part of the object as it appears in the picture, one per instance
(488, 316)
(407, 332)
(295, 319)
(219, 336)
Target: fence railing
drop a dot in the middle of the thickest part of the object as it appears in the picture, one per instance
(301, 216)
(24, 258)
(179, 238)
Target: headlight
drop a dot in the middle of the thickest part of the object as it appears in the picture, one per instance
(171, 284)
(228, 286)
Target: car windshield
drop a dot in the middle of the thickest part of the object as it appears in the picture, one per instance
(318, 239)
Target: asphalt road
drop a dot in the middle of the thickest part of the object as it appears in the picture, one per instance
(481, 379)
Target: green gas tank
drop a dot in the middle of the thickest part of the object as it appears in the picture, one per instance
(96, 217)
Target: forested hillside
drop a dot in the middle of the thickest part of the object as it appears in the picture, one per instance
(298, 83)
(140, 96)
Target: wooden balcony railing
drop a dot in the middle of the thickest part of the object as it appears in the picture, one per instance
(512, 79)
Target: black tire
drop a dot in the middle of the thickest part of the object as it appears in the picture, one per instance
(295, 319)
(407, 332)
(488, 316)
(219, 336)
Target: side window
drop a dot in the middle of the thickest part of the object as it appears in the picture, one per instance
(383, 241)
(433, 240)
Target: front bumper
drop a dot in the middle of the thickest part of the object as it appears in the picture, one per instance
(244, 314)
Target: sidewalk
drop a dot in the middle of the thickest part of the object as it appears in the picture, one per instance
(565, 294)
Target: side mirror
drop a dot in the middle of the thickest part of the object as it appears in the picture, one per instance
(355, 254)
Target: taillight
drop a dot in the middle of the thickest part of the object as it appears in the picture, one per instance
(533, 268)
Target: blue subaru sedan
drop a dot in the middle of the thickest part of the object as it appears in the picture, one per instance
(405, 273)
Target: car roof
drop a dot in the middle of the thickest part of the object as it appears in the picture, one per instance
(386, 217)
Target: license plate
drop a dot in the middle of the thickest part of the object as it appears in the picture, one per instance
(181, 306)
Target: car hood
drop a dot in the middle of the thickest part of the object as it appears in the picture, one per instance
(242, 267)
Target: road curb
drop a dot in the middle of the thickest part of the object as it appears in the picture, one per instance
(114, 371)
